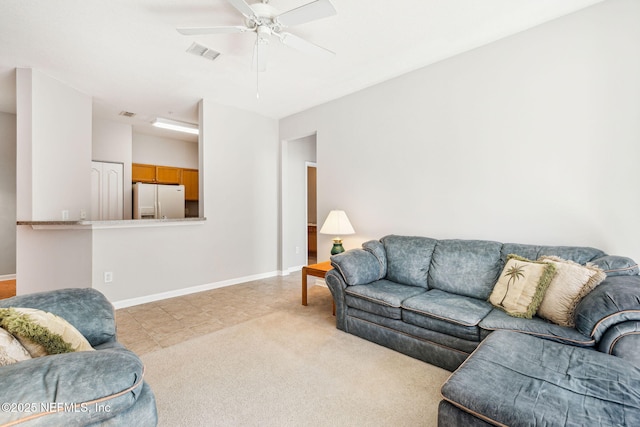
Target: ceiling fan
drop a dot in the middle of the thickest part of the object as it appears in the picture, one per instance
(266, 21)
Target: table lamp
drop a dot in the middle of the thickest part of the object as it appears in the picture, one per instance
(337, 224)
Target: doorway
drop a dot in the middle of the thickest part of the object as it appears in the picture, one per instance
(296, 154)
(312, 214)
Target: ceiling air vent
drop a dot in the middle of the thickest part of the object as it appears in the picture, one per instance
(203, 51)
(127, 114)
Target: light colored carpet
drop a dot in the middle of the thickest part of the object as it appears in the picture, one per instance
(283, 369)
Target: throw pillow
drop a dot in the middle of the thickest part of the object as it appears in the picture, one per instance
(11, 351)
(521, 286)
(570, 284)
(42, 333)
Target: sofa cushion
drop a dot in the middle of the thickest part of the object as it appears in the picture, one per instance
(521, 286)
(408, 259)
(519, 380)
(615, 265)
(579, 254)
(382, 297)
(451, 314)
(465, 267)
(435, 337)
(498, 320)
(357, 266)
(570, 284)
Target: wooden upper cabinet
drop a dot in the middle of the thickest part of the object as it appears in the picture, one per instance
(190, 182)
(155, 174)
(143, 173)
(168, 175)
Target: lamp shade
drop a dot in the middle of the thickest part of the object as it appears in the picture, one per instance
(337, 224)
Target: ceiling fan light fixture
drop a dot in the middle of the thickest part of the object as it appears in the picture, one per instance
(176, 125)
(266, 21)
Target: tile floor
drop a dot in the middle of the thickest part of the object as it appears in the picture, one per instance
(148, 327)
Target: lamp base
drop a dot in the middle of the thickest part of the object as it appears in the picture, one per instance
(337, 246)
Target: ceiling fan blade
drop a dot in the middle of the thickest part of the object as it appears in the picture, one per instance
(190, 31)
(243, 7)
(304, 45)
(309, 12)
(260, 53)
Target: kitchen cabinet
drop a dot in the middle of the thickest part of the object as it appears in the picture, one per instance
(107, 191)
(190, 182)
(168, 175)
(143, 173)
(156, 174)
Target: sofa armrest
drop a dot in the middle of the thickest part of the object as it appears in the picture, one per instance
(623, 340)
(78, 388)
(615, 300)
(86, 309)
(615, 265)
(336, 284)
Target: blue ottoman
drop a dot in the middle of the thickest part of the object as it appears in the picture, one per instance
(515, 379)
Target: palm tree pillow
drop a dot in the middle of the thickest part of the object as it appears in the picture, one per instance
(520, 289)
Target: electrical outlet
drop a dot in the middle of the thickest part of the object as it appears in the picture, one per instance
(108, 277)
(297, 249)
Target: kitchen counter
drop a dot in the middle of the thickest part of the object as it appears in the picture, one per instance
(124, 223)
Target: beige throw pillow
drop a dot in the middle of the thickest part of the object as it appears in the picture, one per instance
(42, 333)
(571, 283)
(521, 286)
(11, 351)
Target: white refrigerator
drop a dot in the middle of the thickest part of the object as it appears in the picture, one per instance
(157, 201)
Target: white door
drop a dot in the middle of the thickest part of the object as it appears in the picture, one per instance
(96, 191)
(107, 191)
(113, 191)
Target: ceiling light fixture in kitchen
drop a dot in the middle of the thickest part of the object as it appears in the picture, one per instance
(176, 125)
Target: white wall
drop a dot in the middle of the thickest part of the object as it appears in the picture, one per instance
(111, 142)
(7, 194)
(52, 174)
(52, 259)
(532, 139)
(157, 150)
(54, 149)
(238, 239)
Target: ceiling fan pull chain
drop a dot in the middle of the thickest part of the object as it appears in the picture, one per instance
(257, 67)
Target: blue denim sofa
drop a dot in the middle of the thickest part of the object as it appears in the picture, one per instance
(427, 298)
(103, 387)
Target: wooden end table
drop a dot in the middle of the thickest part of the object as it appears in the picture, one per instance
(316, 270)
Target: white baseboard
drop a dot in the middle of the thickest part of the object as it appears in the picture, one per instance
(8, 277)
(296, 268)
(291, 270)
(192, 290)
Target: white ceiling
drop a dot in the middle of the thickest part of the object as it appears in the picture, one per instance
(128, 55)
